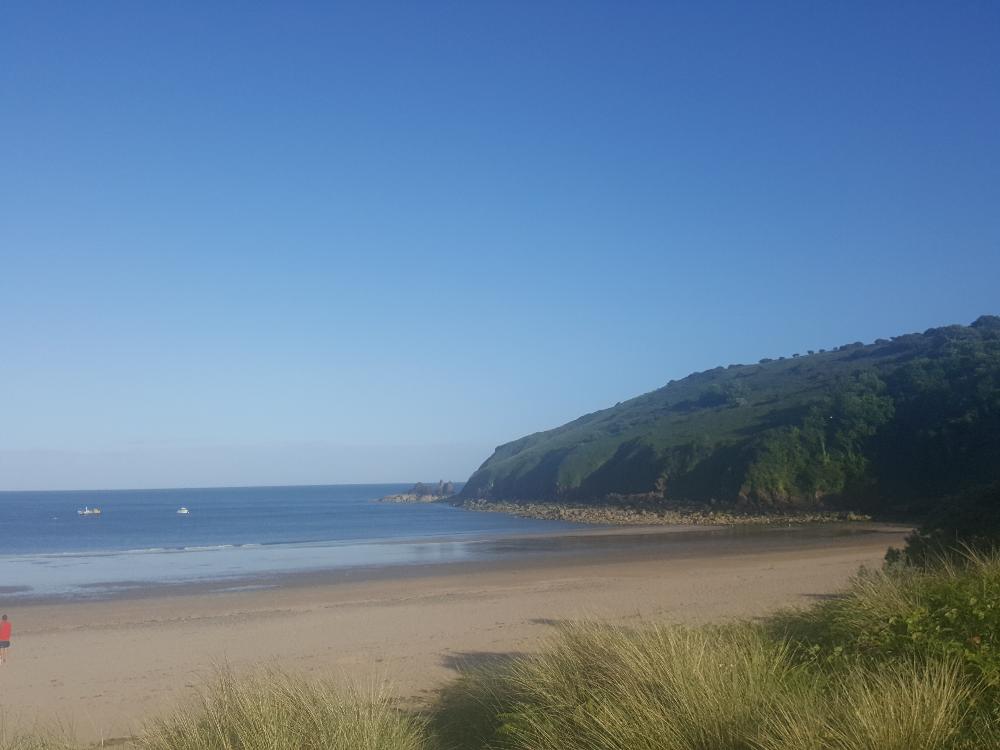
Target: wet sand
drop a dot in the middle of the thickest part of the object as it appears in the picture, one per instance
(104, 666)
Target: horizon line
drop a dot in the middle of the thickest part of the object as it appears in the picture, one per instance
(229, 487)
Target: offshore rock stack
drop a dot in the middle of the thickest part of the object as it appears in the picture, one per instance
(423, 493)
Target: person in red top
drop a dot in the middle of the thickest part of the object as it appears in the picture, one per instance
(4, 638)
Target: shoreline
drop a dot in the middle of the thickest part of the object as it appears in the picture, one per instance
(650, 514)
(488, 553)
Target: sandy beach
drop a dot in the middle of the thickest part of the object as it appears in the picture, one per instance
(101, 667)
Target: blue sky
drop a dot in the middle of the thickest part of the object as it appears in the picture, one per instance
(351, 242)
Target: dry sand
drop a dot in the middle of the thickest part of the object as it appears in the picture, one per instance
(103, 667)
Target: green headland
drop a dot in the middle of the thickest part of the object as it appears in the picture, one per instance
(886, 428)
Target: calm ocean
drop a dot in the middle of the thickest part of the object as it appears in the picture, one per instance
(231, 536)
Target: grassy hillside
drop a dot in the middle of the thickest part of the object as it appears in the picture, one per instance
(887, 426)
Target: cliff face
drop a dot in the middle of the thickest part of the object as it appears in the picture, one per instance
(893, 423)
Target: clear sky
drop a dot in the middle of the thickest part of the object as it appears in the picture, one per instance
(280, 243)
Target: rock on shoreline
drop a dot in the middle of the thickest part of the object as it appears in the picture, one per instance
(632, 516)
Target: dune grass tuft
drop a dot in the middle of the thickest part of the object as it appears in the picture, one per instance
(908, 706)
(272, 709)
(670, 688)
(902, 706)
(38, 737)
(660, 687)
(40, 740)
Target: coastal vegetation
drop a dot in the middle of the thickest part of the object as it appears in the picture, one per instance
(891, 428)
(966, 521)
(669, 688)
(906, 658)
(273, 709)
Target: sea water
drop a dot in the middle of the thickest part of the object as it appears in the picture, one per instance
(234, 536)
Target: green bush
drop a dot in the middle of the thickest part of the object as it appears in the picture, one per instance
(967, 521)
(949, 611)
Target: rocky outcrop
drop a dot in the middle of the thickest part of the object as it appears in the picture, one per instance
(423, 493)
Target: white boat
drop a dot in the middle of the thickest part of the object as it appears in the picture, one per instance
(85, 511)
(182, 511)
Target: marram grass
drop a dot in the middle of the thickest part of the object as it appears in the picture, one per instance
(669, 688)
(14, 736)
(904, 706)
(273, 710)
(658, 688)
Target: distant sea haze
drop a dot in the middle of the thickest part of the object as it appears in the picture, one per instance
(230, 535)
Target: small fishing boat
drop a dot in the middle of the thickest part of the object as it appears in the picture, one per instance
(85, 511)
(182, 511)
